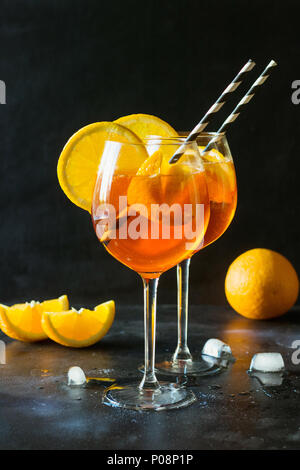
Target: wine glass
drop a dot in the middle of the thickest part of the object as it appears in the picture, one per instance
(150, 216)
(222, 189)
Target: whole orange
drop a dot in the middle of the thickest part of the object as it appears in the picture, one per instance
(261, 284)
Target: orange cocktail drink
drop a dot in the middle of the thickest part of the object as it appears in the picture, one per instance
(150, 215)
(222, 189)
(157, 224)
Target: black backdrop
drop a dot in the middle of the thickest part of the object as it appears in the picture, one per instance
(72, 62)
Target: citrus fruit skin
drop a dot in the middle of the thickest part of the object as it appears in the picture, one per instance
(23, 321)
(145, 125)
(79, 329)
(80, 158)
(261, 284)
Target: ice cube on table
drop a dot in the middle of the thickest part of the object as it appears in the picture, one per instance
(267, 362)
(76, 376)
(216, 348)
(2, 352)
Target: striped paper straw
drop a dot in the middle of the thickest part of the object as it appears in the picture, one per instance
(248, 97)
(214, 108)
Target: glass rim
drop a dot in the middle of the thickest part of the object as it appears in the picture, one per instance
(203, 134)
(180, 140)
(217, 136)
(171, 140)
(155, 140)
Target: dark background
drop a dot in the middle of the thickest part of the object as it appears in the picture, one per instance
(70, 63)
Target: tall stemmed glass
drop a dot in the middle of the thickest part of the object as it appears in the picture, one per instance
(222, 188)
(150, 216)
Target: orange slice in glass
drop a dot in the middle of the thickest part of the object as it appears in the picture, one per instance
(220, 176)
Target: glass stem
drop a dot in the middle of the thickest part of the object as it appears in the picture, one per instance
(149, 381)
(182, 352)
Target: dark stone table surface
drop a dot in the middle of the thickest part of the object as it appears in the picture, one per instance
(233, 411)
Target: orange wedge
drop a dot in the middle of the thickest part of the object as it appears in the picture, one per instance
(78, 329)
(79, 161)
(212, 156)
(145, 187)
(145, 125)
(158, 182)
(23, 321)
(220, 176)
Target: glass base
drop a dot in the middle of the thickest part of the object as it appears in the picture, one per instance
(197, 367)
(169, 396)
